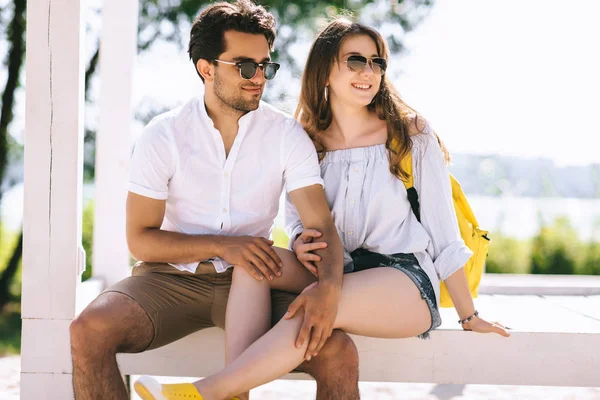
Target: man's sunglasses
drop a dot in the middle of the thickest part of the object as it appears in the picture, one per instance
(248, 68)
(357, 64)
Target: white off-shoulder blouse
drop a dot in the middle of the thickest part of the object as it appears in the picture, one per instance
(370, 207)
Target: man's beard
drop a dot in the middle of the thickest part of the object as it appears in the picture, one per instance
(232, 101)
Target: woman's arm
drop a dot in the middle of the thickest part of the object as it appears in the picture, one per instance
(438, 217)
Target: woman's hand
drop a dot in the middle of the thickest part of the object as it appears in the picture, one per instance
(482, 326)
(303, 247)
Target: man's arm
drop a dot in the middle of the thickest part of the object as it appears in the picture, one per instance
(147, 242)
(314, 212)
(320, 301)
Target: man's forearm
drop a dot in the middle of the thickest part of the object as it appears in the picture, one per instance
(155, 245)
(331, 266)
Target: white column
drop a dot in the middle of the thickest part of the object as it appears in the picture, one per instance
(113, 142)
(52, 253)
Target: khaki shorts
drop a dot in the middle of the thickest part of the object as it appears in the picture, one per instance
(180, 302)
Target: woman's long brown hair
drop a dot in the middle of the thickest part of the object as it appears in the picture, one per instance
(314, 111)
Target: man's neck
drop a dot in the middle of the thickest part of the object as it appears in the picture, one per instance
(224, 118)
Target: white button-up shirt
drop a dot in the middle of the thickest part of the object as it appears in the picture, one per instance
(180, 157)
(371, 210)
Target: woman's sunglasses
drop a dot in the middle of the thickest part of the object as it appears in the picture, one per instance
(248, 68)
(358, 63)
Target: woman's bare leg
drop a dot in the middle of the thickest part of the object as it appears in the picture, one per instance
(379, 302)
(248, 314)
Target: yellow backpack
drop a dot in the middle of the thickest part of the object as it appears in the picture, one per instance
(475, 238)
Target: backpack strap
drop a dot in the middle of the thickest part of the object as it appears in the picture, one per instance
(411, 192)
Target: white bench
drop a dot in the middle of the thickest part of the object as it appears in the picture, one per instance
(566, 354)
(555, 342)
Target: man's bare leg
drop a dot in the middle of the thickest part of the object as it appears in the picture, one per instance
(335, 368)
(113, 323)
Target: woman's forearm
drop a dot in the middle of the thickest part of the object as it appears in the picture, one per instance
(460, 294)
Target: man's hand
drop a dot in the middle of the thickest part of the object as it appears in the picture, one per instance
(254, 254)
(320, 303)
(304, 246)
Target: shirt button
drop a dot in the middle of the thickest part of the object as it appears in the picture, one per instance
(352, 202)
(226, 173)
(350, 233)
(355, 169)
(224, 210)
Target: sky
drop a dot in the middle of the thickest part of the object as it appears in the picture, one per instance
(509, 77)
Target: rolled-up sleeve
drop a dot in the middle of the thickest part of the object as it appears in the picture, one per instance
(299, 159)
(152, 163)
(432, 182)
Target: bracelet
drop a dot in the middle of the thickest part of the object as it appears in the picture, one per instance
(464, 321)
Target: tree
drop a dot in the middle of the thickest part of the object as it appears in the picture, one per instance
(14, 62)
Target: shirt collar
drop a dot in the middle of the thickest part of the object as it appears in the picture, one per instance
(244, 120)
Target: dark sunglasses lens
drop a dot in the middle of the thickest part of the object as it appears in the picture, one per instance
(356, 63)
(271, 70)
(247, 70)
(379, 65)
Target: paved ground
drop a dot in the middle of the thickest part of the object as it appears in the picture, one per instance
(304, 390)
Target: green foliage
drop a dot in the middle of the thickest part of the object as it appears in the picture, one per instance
(10, 333)
(87, 237)
(10, 318)
(555, 249)
(7, 246)
(508, 255)
(591, 261)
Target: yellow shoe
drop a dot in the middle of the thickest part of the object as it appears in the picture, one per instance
(149, 388)
(179, 391)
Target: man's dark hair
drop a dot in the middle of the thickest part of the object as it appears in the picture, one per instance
(207, 35)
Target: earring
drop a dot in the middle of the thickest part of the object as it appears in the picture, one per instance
(326, 93)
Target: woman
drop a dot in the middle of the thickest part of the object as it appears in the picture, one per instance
(392, 261)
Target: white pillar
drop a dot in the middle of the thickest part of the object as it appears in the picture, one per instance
(113, 142)
(52, 255)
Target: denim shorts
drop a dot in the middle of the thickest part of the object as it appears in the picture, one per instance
(364, 259)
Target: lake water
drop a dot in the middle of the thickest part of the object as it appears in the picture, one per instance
(513, 216)
(520, 216)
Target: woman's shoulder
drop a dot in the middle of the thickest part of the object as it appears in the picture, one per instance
(416, 124)
(421, 133)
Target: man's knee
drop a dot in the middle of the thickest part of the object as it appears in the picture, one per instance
(107, 324)
(86, 331)
(339, 356)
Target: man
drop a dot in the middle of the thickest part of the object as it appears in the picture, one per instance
(204, 189)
